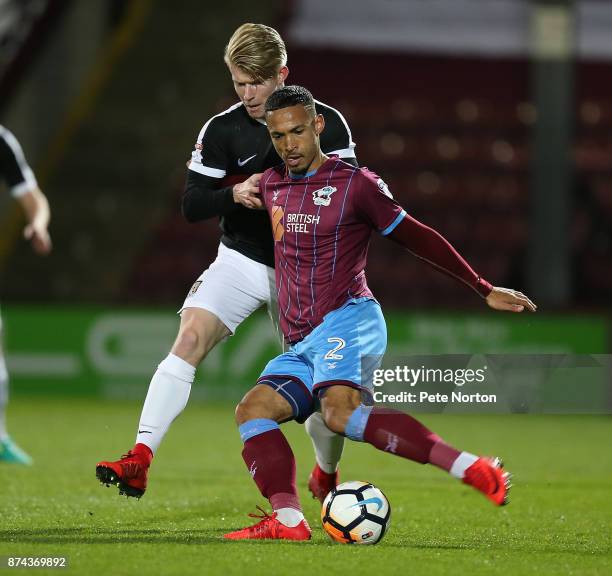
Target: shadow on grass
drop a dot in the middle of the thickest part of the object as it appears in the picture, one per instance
(91, 535)
(104, 535)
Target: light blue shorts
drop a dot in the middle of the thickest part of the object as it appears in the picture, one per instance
(344, 350)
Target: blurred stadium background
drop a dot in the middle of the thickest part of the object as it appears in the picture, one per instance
(489, 120)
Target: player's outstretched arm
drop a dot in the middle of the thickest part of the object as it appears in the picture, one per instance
(36, 209)
(509, 300)
(429, 245)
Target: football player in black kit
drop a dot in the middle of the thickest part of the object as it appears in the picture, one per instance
(22, 185)
(232, 150)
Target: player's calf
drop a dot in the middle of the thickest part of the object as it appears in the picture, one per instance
(400, 434)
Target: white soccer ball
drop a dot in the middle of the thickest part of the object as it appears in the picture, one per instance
(356, 513)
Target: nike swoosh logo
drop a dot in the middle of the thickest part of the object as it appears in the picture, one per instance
(374, 500)
(144, 432)
(243, 162)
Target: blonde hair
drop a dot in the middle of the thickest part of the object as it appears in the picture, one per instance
(258, 51)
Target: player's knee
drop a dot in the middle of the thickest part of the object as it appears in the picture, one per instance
(249, 410)
(192, 343)
(188, 342)
(200, 332)
(251, 407)
(242, 412)
(262, 402)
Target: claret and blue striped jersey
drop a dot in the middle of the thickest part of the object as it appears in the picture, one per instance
(321, 225)
(230, 147)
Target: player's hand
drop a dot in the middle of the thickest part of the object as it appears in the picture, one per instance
(509, 300)
(247, 193)
(39, 237)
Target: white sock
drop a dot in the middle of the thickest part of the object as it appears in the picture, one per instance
(463, 462)
(290, 517)
(166, 399)
(327, 445)
(4, 382)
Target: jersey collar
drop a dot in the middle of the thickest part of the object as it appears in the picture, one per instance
(307, 175)
(302, 176)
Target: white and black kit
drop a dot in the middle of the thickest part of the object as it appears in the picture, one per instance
(230, 147)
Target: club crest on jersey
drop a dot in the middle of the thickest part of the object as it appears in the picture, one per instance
(196, 155)
(195, 287)
(382, 186)
(322, 196)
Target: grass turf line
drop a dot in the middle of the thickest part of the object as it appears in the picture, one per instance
(559, 520)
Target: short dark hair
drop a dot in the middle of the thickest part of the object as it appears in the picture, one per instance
(289, 96)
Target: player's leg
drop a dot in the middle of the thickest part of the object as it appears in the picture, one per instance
(399, 433)
(167, 396)
(327, 445)
(9, 451)
(359, 334)
(222, 297)
(200, 331)
(267, 454)
(227, 293)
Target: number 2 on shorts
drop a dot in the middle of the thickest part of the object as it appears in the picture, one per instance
(331, 355)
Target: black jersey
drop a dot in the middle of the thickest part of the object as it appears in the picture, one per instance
(231, 146)
(14, 169)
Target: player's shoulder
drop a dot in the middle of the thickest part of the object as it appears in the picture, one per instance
(361, 174)
(273, 174)
(331, 114)
(9, 146)
(339, 167)
(337, 135)
(368, 174)
(370, 179)
(6, 136)
(223, 122)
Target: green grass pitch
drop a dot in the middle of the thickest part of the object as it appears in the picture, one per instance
(559, 520)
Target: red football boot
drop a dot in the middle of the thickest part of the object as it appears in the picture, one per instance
(129, 473)
(488, 476)
(321, 483)
(269, 528)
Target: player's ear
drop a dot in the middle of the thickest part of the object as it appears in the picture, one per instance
(282, 75)
(319, 124)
